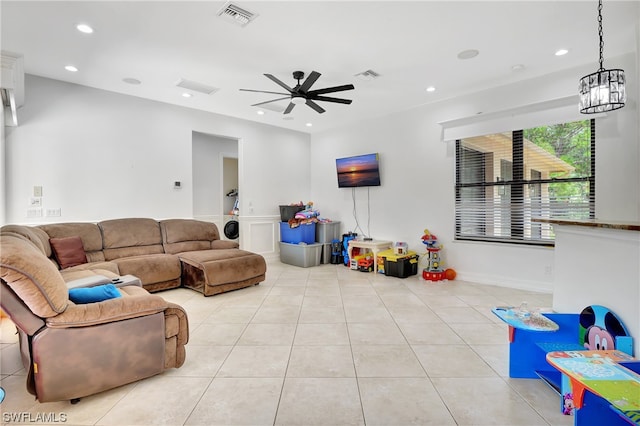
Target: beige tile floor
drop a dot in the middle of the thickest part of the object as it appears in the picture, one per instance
(324, 346)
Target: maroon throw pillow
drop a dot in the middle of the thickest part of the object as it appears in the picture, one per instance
(68, 251)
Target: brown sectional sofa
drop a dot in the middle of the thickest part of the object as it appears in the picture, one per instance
(163, 254)
(73, 350)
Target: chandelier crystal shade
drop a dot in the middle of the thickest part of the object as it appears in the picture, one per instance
(603, 90)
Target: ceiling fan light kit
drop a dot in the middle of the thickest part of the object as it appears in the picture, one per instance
(300, 93)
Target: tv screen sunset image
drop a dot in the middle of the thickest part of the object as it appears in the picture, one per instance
(361, 170)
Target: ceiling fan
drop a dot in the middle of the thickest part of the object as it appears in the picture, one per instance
(300, 94)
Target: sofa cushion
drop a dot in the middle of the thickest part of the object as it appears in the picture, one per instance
(94, 294)
(89, 233)
(32, 276)
(224, 244)
(152, 268)
(68, 251)
(130, 237)
(93, 266)
(181, 235)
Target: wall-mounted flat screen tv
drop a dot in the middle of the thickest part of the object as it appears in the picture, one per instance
(359, 170)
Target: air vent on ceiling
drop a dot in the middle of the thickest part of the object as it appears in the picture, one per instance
(367, 75)
(196, 87)
(236, 14)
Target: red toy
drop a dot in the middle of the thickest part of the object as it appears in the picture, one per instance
(365, 264)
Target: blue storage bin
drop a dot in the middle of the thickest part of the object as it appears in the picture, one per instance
(305, 233)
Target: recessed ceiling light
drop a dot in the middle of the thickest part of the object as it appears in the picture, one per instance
(561, 52)
(309, 124)
(133, 81)
(468, 54)
(260, 112)
(71, 68)
(431, 89)
(186, 95)
(84, 28)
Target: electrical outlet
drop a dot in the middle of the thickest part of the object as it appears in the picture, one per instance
(548, 270)
(53, 212)
(35, 202)
(34, 212)
(37, 191)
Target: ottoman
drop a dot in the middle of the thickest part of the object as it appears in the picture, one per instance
(220, 270)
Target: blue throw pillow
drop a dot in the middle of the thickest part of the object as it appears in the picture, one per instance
(94, 294)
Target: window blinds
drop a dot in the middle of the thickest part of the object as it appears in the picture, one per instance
(504, 180)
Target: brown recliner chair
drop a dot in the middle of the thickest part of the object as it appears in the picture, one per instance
(74, 350)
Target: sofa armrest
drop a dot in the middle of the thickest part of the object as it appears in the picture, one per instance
(176, 336)
(135, 302)
(177, 323)
(90, 281)
(224, 244)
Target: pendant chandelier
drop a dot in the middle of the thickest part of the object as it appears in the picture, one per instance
(604, 89)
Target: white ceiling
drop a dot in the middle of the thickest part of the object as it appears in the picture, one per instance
(412, 44)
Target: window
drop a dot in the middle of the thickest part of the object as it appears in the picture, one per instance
(504, 180)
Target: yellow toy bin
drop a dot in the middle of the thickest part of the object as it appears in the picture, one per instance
(399, 265)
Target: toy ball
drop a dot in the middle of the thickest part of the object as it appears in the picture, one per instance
(450, 274)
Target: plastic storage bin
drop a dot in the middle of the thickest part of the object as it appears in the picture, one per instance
(288, 212)
(326, 253)
(303, 255)
(400, 266)
(305, 233)
(327, 231)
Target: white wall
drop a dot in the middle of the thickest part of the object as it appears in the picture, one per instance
(101, 155)
(614, 282)
(418, 176)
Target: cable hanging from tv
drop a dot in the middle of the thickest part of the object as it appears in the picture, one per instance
(366, 235)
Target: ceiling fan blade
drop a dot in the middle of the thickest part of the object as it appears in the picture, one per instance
(278, 82)
(315, 106)
(330, 99)
(331, 89)
(263, 91)
(272, 100)
(309, 81)
(289, 108)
